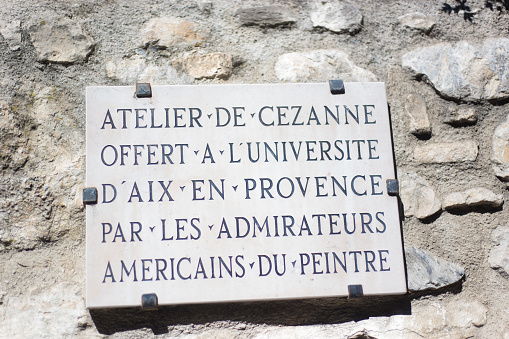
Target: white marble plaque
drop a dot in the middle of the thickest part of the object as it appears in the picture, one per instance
(240, 192)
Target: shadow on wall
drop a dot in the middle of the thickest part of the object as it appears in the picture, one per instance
(287, 313)
(460, 7)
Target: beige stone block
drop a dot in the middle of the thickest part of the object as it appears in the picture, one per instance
(418, 197)
(477, 197)
(170, 32)
(212, 65)
(460, 151)
(415, 109)
(500, 158)
(417, 21)
(59, 39)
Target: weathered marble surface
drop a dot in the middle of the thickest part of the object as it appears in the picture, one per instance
(418, 197)
(320, 65)
(336, 16)
(462, 70)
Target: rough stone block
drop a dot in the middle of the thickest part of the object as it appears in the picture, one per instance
(137, 69)
(11, 32)
(426, 272)
(320, 65)
(436, 153)
(500, 158)
(415, 108)
(417, 21)
(477, 198)
(337, 17)
(269, 16)
(418, 197)
(460, 115)
(212, 65)
(463, 71)
(169, 32)
(499, 254)
(59, 39)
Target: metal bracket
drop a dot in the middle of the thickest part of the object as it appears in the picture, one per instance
(337, 87)
(90, 195)
(149, 302)
(392, 187)
(143, 90)
(355, 291)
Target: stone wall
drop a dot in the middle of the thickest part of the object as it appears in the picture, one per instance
(446, 68)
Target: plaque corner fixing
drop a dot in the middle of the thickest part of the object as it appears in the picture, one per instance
(337, 86)
(149, 302)
(355, 291)
(90, 195)
(143, 90)
(393, 187)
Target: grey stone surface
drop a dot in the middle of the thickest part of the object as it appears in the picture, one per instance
(269, 16)
(500, 160)
(11, 32)
(171, 32)
(14, 154)
(337, 16)
(455, 318)
(205, 5)
(426, 272)
(138, 69)
(415, 108)
(418, 197)
(65, 314)
(463, 71)
(477, 198)
(59, 39)
(417, 21)
(212, 65)
(460, 115)
(320, 65)
(436, 153)
(27, 215)
(499, 254)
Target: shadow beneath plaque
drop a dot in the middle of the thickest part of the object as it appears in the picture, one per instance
(283, 312)
(287, 313)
